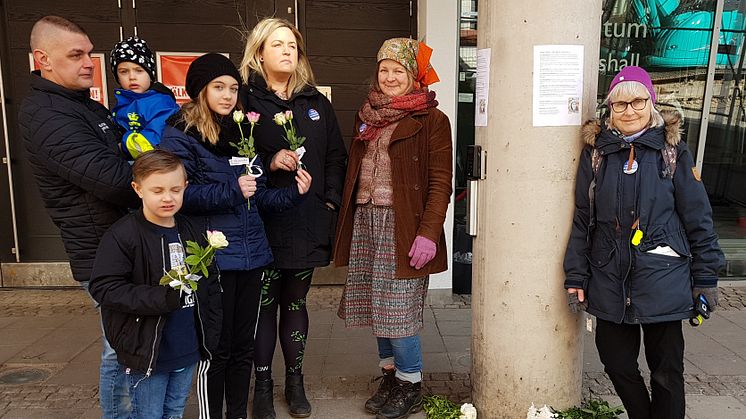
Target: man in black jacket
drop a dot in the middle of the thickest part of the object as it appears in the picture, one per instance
(83, 178)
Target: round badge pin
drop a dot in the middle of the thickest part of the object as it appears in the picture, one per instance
(314, 114)
(629, 171)
(362, 127)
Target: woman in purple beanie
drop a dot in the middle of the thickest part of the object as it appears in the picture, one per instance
(642, 247)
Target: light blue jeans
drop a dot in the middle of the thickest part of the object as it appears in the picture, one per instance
(405, 354)
(113, 395)
(163, 395)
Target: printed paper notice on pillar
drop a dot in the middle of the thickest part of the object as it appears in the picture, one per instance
(482, 91)
(558, 85)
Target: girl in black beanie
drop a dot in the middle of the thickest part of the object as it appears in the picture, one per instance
(201, 135)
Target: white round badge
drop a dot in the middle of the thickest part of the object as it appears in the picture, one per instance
(633, 169)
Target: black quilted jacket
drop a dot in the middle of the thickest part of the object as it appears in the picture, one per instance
(83, 178)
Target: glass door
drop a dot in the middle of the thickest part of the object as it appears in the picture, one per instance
(724, 157)
(462, 242)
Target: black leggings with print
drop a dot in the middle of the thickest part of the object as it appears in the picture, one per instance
(286, 289)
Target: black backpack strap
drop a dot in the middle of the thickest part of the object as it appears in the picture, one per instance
(596, 158)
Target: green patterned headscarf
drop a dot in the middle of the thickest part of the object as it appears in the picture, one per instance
(413, 55)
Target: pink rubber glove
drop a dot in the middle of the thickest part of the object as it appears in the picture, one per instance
(422, 251)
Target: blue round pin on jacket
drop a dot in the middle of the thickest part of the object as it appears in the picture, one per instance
(314, 114)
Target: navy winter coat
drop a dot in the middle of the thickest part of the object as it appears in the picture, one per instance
(627, 283)
(213, 192)
(303, 237)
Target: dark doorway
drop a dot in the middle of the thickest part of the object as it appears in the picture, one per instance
(342, 37)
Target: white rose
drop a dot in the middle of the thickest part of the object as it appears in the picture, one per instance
(280, 119)
(468, 411)
(217, 239)
(237, 117)
(546, 413)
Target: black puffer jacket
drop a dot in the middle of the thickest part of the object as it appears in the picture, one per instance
(84, 180)
(134, 307)
(303, 236)
(628, 283)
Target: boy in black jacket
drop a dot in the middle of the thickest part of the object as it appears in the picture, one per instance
(159, 333)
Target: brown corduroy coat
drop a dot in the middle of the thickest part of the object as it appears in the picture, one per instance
(422, 170)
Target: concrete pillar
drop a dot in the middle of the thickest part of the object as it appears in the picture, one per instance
(526, 345)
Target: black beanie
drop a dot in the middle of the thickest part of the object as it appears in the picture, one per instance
(206, 68)
(134, 50)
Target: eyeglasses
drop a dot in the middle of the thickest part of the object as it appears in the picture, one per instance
(637, 104)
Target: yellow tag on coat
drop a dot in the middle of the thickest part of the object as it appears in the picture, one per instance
(637, 238)
(696, 174)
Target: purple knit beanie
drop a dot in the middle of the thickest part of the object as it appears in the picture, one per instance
(633, 73)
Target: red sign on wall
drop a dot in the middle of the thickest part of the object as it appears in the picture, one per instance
(172, 70)
(98, 91)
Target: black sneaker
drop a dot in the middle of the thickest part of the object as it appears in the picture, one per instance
(376, 402)
(405, 398)
(263, 400)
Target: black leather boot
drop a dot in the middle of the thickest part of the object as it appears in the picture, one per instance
(263, 400)
(295, 395)
(374, 404)
(405, 398)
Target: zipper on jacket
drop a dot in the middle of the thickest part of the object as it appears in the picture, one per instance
(155, 336)
(626, 283)
(152, 354)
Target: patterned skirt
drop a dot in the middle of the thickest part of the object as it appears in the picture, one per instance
(373, 296)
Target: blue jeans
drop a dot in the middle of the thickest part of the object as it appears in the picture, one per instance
(406, 354)
(112, 385)
(163, 395)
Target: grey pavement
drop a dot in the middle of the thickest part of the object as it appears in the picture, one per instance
(50, 348)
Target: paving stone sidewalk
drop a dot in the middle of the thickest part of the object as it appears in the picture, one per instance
(55, 333)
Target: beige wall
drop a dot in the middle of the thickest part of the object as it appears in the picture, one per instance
(438, 23)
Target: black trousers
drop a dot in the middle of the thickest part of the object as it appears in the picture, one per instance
(229, 375)
(619, 345)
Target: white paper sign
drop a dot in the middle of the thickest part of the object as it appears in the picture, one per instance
(482, 91)
(558, 85)
(239, 161)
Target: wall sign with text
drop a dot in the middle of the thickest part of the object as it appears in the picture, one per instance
(172, 69)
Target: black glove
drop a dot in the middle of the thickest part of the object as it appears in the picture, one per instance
(711, 294)
(575, 304)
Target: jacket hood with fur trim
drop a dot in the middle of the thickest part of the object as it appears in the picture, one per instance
(672, 119)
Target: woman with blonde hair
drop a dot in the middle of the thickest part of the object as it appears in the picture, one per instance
(201, 135)
(280, 81)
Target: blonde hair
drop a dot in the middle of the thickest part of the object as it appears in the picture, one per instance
(301, 77)
(198, 114)
(633, 89)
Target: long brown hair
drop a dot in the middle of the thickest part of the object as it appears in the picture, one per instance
(198, 114)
